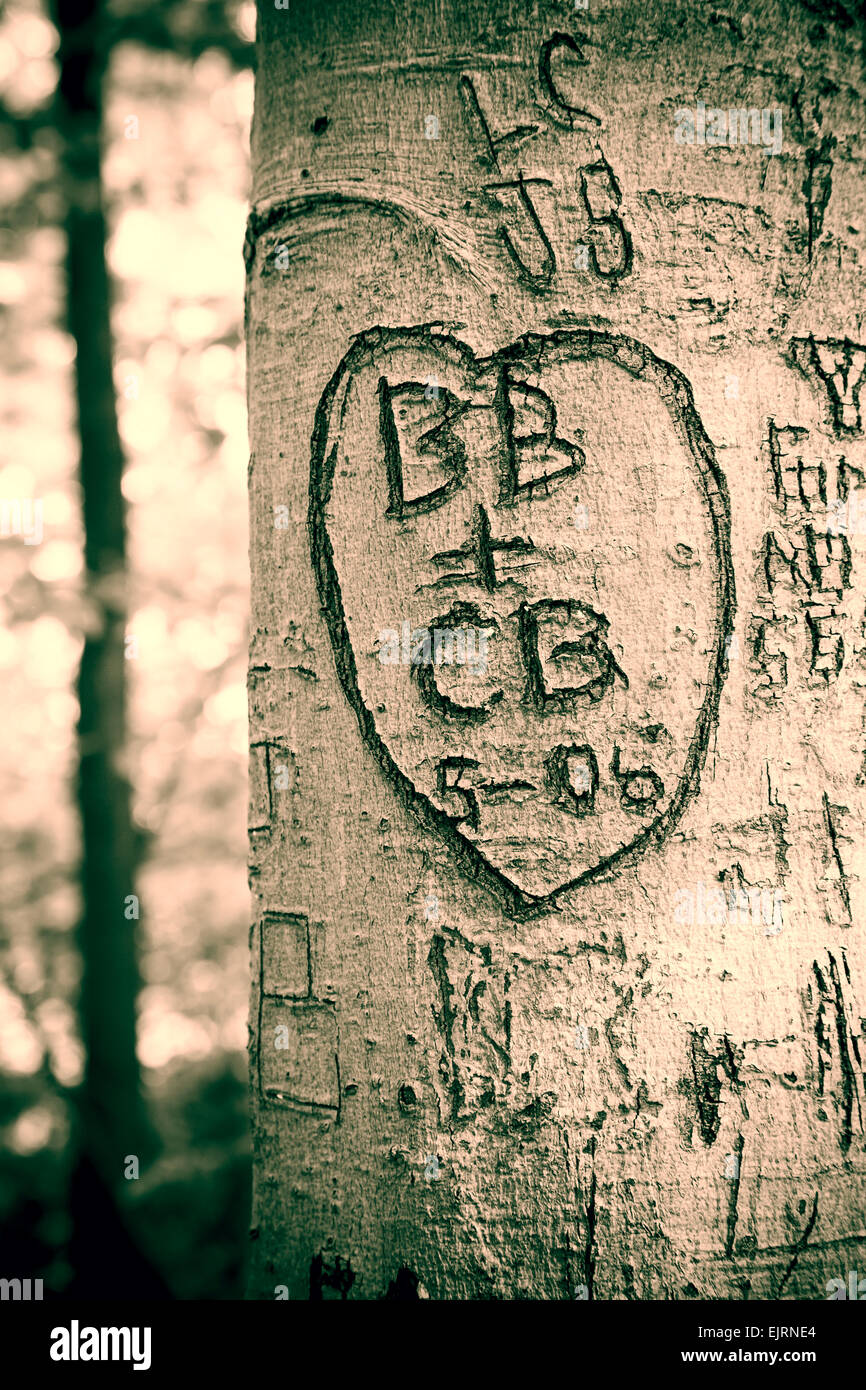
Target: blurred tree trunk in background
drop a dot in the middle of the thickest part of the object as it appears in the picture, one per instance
(559, 975)
(112, 1121)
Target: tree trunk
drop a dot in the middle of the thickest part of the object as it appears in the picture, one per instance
(111, 1121)
(557, 664)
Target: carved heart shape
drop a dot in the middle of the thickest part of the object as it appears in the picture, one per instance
(554, 520)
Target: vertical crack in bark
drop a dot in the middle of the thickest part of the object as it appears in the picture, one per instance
(623, 1008)
(439, 969)
(444, 1019)
(817, 187)
(832, 996)
(707, 1085)
(779, 823)
(822, 1036)
(849, 1061)
(732, 1059)
(589, 1245)
(733, 1197)
(836, 854)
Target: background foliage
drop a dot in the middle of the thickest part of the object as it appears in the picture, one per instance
(177, 195)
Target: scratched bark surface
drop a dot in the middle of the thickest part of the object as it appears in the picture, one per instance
(558, 958)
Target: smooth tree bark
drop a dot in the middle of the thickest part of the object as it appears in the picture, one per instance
(555, 326)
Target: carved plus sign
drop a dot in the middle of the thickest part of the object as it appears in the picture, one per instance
(481, 549)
